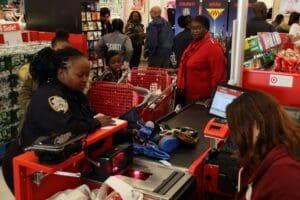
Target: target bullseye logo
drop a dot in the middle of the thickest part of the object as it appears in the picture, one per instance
(281, 80)
(274, 79)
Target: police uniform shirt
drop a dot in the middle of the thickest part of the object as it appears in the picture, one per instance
(55, 109)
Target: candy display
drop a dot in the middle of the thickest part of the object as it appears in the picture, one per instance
(11, 59)
(287, 61)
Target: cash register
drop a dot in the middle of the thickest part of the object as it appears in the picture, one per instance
(221, 168)
(217, 128)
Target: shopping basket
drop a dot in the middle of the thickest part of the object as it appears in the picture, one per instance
(115, 99)
(162, 103)
(147, 76)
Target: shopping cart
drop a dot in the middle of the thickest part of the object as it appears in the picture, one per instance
(161, 85)
(115, 99)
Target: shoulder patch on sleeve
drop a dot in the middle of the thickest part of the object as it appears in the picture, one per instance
(58, 104)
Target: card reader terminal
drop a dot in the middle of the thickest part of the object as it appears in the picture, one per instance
(216, 128)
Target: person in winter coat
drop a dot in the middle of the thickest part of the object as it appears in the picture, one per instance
(106, 26)
(159, 40)
(182, 39)
(135, 30)
(202, 65)
(116, 41)
(258, 22)
(268, 145)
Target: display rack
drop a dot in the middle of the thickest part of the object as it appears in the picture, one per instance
(92, 27)
(11, 59)
(91, 24)
(280, 85)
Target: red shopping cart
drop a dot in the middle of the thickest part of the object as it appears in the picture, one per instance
(162, 103)
(114, 99)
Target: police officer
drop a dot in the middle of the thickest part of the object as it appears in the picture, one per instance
(59, 105)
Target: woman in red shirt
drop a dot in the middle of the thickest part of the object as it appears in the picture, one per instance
(268, 144)
(202, 65)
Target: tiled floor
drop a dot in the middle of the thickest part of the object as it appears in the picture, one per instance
(5, 194)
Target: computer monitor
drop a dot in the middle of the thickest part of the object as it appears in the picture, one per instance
(223, 95)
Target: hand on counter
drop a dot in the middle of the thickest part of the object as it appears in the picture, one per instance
(205, 102)
(105, 120)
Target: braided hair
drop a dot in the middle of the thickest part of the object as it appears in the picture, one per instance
(46, 63)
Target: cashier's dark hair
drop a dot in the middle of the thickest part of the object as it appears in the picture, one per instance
(46, 63)
(274, 125)
(60, 36)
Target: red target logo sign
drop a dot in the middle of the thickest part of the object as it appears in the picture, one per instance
(281, 80)
(274, 79)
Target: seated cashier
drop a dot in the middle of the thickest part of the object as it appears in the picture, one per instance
(268, 144)
(59, 105)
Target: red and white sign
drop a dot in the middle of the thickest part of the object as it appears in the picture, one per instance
(9, 27)
(281, 80)
(11, 32)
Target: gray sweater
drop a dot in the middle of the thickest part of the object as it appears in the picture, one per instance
(115, 41)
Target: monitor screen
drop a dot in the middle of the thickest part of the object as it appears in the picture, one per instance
(223, 95)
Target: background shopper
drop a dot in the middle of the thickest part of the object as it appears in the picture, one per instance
(116, 41)
(113, 72)
(202, 65)
(135, 30)
(159, 40)
(182, 39)
(258, 22)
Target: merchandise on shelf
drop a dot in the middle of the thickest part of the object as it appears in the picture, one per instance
(287, 61)
(92, 26)
(11, 59)
(264, 41)
(260, 50)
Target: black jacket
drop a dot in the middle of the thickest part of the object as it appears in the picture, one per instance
(181, 41)
(109, 76)
(55, 109)
(258, 24)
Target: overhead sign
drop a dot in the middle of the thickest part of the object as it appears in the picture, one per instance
(215, 13)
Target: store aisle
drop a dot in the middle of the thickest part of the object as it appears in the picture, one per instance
(4, 191)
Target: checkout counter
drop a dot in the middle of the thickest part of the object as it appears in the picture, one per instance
(36, 181)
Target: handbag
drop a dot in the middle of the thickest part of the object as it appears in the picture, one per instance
(56, 148)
